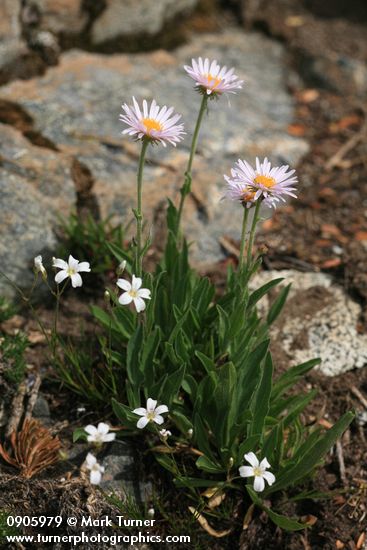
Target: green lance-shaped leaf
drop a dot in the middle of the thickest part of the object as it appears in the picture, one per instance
(207, 363)
(312, 456)
(278, 305)
(260, 403)
(291, 376)
(133, 356)
(79, 433)
(284, 522)
(119, 253)
(260, 292)
(203, 463)
(170, 386)
(124, 414)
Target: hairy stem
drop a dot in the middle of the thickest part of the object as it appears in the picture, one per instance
(253, 231)
(186, 188)
(243, 237)
(138, 212)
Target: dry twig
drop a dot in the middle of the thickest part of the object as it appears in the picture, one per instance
(16, 409)
(33, 396)
(360, 396)
(337, 159)
(339, 453)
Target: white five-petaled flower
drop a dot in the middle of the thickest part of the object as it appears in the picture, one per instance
(39, 267)
(71, 269)
(153, 123)
(99, 434)
(151, 414)
(258, 471)
(96, 470)
(212, 79)
(165, 433)
(271, 185)
(133, 293)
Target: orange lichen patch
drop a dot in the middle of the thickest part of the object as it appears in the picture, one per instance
(33, 449)
(151, 124)
(265, 180)
(162, 57)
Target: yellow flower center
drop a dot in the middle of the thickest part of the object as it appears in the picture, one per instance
(151, 124)
(151, 416)
(213, 82)
(257, 471)
(265, 180)
(71, 271)
(133, 293)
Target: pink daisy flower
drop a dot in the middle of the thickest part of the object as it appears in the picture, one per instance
(270, 184)
(154, 123)
(212, 79)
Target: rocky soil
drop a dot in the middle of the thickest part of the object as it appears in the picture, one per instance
(65, 69)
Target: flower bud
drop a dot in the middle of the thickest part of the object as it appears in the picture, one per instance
(107, 297)
(39, 267)
(151, 513)
(165, 434)
(121, 267)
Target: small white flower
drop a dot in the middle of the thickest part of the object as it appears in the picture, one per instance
(156, 124)
(267, 183)
(164, 433)
(71, 269)
(151, 414)
(96, 470)
(211, 78)
(100, 434)
(258, 471)
(133, 293)
(151, 513)
(190, 432)
(39, 267)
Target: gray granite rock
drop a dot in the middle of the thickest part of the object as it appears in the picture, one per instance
(319, 320)
(41, 410)
(77, 105)
(61, 17)
(36, 186)
(129, 17)
(330, 51)
(121, 472)
(10, 19)
(11, 45)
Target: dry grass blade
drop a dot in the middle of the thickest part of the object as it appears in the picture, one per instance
(205, 525)
(34, 449)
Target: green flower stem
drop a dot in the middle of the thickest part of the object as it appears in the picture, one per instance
(253, 231)
(59, 292)
(138, 211)
(243, 237)
(186, 188)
